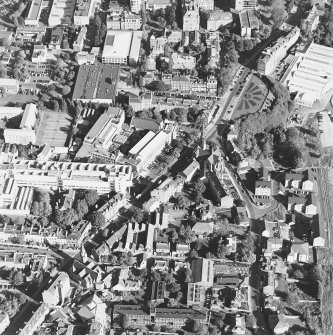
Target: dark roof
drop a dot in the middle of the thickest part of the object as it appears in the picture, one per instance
(263, 184)
(142, 123)
(96, 82)
(297, 200)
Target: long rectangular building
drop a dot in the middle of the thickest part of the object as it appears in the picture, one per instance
(311, 75)
(34, 11)
(84, 11)
(61, 12)
(272, 56)
(103, 178)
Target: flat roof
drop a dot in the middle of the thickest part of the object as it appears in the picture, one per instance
(34, 10)
(82, 7)
(117, 44)
(135, 45)
(96, 82)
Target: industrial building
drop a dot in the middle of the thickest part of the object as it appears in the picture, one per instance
(311, 75)
(96, 83)
(122, 47)
(61, 12)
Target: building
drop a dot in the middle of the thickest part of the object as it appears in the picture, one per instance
(57, 34)
(158, 292)
(33, 13)
(61, 12)
(196, 295)
(78, 44)
(39, 54)
(122, 47)
(190, 170)
(111, 208)
(217, 19)
(104, 178)
(272, 55)
(84, 11)
(300, 182)
(263, 188)
(4, 322)
(149, 147)
(206, 4)
(35, 321)
(248, 21)
(96, 83)
(299, 253)
(202, 271)
(167, 189)
(29, 34)
(9, 86)
(20, 136)
(157, 4)
(85, 57)
(311, 75)
(136, 6)
(244, 4)
(58, 290)
(9, 112)
(29, 116)
(170, 317)
(125, 21)
(191, 19)
(310, 23)
(101, 135)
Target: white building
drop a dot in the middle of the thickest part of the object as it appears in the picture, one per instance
(29, 116)
(61, 12)
(35, 321)
(191, 18)
(39, 54)
(121, 47)
(79, 42)
(34, 11)
(58, 291)
(312, 74)
(136, 6)
(9, 86)
(125, 21)
(84, 11)
(206, 4)
(85, 57)
(157, 4)
(20, 136)
(104, 178)
(4, 322)
(9, 112)
(272, 56)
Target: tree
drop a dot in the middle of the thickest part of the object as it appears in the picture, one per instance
(175, 287)
(248, 44)
(81, 207)
(91, 197)
(64, 107)
(4, 42)
(140, 81)
(97, 219)
(16, 278)
(158, 85)
(66, 90)
(278, 12)
(124, 321)
(194, 326)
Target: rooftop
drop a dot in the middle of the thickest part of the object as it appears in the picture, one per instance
(96, 82)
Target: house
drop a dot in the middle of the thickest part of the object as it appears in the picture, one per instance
(162, 248)
(299, 253)
(203, 228)
(218, 18)
(182, 250)
(263, 188)
(276, 229)
(93, 309)
(306, 205)
(9, 86)
(202, 271)
(302, 182)
(319, 233)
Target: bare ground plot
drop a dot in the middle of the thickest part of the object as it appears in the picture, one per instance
(54, 129)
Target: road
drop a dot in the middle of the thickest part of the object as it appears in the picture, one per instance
(254, 211)
(325, 202)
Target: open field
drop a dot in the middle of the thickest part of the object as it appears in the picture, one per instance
(54, 128)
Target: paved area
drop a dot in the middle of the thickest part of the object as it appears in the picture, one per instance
(54, 128)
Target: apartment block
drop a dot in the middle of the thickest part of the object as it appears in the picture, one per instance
(244, 4)
(272, 56)
(191, 19)
(84, 11)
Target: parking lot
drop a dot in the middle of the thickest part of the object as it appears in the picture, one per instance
(53, 128)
